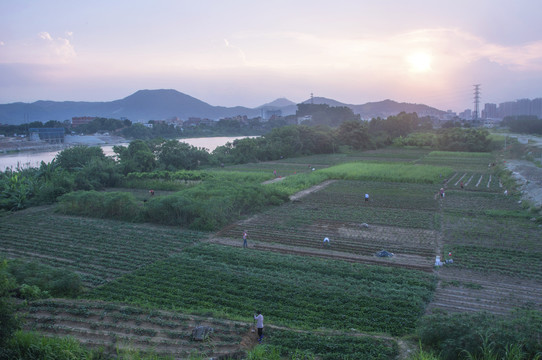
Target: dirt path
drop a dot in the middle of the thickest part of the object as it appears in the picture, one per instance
(303, 193)
(399, 260)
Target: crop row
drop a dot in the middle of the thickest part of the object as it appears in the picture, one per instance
(103, 324)
(382, 155)
(113, 316)
(405, 205)
(291, 290)
(460, 161)
(519, 263)
(504, 233)
(332, 347)
(382, 194)
(475, 181)
(389, 172)
(167, 343)
(478, 202)
(282, 169)
(351, 238)
(98, 249)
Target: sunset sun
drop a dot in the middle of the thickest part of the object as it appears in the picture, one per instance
(419, 62)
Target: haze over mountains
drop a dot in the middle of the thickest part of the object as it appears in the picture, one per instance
(162, 104)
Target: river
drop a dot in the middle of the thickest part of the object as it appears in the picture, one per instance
(27, 159)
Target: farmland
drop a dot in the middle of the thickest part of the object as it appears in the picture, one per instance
(224, 281)
(97, 250)
(149, 286)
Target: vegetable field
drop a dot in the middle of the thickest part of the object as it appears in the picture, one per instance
(98, 250)
(460, 161)
(148, 286)
(295, 291)
(402, 219)
(108, 326)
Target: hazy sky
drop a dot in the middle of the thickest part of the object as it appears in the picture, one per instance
(237, 52)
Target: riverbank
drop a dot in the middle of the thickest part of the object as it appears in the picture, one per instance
(17, 144)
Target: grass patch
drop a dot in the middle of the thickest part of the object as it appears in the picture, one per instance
(392, 172)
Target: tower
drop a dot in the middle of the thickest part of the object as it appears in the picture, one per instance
(476, 102)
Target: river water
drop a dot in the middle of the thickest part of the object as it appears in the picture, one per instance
(27, 159)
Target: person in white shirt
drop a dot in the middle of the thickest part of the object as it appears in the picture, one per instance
(259, 325)
(245, 245)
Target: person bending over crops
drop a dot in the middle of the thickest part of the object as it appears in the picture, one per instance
(259, 324)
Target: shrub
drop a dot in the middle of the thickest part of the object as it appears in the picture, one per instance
(111, 205)
(452, 334)
(8, 322)
(39, 280)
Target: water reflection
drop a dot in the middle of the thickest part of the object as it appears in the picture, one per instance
(34, 158)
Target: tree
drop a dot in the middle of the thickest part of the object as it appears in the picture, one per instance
(78, 156)
(354, 134)
(175, 155)
(323, 114)
(525, 124)
(247, 150)
(457, 139)
(316, 140)
(137, 131)
(284, 142)
(137, 157)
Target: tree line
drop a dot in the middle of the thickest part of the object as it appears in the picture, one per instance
(524, 124)
(87, 168)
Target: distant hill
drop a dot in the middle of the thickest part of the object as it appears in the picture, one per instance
(162, 104)
(279, 103)
(381, 109)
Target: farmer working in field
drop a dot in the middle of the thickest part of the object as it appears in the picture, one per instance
(259, 324)
(245, 239)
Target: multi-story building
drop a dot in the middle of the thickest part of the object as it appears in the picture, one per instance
(536, 107)
(50, 135)
(523, 107)
(466, 115)
(490, 111)
(508, 108)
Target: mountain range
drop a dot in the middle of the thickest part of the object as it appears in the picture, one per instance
(163, 104)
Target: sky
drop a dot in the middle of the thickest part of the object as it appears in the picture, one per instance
(250, 52)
